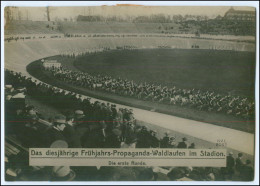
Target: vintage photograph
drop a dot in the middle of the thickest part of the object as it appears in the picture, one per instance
(175, 82)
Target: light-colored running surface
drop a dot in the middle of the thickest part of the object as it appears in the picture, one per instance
(19, 55)
(238, 140)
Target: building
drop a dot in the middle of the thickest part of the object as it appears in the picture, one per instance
(50, 64)
(240, 15)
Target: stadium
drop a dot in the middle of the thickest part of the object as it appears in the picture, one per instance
(138, 81)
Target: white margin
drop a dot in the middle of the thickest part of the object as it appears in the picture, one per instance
(150, 3)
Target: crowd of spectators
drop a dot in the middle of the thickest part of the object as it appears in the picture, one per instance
(98, 125)
(16, 38)
(67, 35)
(85, 116)
(30, 37)
(118, 35)
(76, 54)
(198, 99)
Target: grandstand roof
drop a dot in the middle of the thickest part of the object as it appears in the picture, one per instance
(232, 10)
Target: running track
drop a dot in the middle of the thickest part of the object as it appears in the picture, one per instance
(19, 55)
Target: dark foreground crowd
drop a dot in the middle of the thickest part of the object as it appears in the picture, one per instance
(198, 99)
(84, 124)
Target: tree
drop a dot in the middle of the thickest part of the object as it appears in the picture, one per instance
(8, 15)
(48, 13)
(19, 15)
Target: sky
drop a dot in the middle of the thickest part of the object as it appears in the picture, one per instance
(39, 13)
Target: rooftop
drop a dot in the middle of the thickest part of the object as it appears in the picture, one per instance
(232, 10)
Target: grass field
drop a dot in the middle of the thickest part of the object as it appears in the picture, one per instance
(184, 112)
(221, 71)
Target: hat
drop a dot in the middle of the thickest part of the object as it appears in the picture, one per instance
(20, 88)
(184, 139)
(68, 177)
(230, 153)
(210, 177)
(32, 115)
(32, 112)
(117, 132)
(154, 131)
(60, 171)
(19, 96)
(60, 119)
(56, 90)
(8, 86)
(79, 112)
(59, 144)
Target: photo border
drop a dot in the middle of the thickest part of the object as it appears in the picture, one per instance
(147, 3)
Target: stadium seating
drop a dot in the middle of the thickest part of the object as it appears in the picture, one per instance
(27, 51)
(17, 150)
(19, 54)
(30, 27)
(214, 28)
